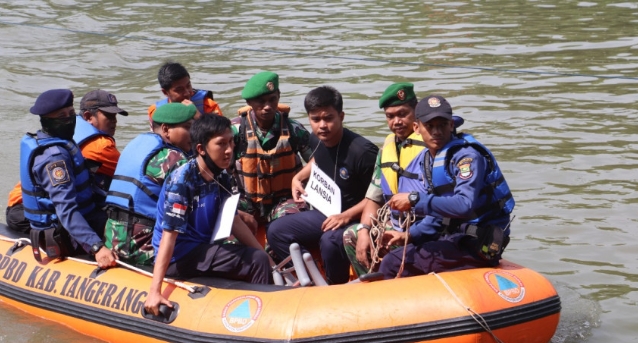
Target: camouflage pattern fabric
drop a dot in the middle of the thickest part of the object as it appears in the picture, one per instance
(139, 251)
(350, 245)
(272, 212)
(374, 191)
(163, 163)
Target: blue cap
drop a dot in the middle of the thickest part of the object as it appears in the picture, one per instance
(52, 100)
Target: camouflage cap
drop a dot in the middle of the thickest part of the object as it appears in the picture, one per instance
(397, 94)
(261, 83)
(174, 113)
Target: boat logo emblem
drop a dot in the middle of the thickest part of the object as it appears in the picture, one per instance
(401, 94)
(270, 86)
(434, 102)
(241, 313)
(506, 285)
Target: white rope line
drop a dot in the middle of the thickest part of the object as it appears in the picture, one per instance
(480, 320)
(125, 265)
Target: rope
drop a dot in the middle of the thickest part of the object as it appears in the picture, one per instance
(23, 241)
(377, 229)
(476, 316)
(301, 54)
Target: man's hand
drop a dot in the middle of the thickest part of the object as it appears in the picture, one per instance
(153, 301)
(105, 258)
(363, 247)
(334, 222)
(400, 202)
(249, 220)
(297, 191)
(391, 237)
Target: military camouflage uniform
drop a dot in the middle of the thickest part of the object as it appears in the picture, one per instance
(140, 250)
(300, 140)
(375, 194)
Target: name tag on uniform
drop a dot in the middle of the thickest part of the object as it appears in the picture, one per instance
(224, 222)
(322, 192)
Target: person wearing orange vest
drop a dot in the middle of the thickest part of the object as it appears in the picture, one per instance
(94, 135)
(268, 150)
(175, 82)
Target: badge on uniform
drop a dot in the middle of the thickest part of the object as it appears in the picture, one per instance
(465, 170)
(58, 173)
(343, 172)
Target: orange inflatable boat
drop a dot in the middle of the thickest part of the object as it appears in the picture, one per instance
(509, 303)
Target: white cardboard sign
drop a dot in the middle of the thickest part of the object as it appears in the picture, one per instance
(322, 192)
(224, 222)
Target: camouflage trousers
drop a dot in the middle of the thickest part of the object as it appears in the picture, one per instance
(271, 212)
(139, 249)
(350, 236)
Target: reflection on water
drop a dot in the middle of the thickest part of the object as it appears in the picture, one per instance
(549, 86)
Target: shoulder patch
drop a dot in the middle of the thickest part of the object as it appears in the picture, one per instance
(58, 173)
(465, 168)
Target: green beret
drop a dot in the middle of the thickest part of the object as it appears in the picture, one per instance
(397, 94)
(261, 83)
(174, 113)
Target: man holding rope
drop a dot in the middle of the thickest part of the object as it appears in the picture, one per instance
(396, 170)
(466, 193)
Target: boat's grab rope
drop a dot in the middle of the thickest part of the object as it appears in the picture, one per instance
(377, 228)
(476, 316)
(26, 241)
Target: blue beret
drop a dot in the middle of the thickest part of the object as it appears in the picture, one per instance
(52, 100)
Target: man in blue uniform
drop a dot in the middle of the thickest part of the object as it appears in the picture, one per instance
(189, 204)
(468, 202)
(56, 187)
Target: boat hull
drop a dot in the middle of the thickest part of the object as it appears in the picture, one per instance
(515, 303)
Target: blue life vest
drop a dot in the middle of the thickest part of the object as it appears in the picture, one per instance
(38, 207)
(495, 196)
(85, 131)
(197, 99)
(131, 189)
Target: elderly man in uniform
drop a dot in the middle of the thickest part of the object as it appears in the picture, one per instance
(56, 187)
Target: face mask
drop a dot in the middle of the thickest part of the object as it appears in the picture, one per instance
(59, 127)
(211, 165)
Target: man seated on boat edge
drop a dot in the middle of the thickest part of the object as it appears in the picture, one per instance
(175, 82)
(396, 170)
(268, 150)
(466, 190)
(94, 130)
(56, 186)
(347, 157)
(189, 204)
(145, 164)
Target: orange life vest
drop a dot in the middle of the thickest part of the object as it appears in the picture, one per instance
(266, 176)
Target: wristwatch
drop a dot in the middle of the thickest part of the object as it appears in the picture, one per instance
(413, 198)
(96, 247)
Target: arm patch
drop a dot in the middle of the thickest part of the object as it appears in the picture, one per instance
(58, 173)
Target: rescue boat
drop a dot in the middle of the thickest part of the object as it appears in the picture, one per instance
(509, 303)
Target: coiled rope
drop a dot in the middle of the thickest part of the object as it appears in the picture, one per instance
(377, 229)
